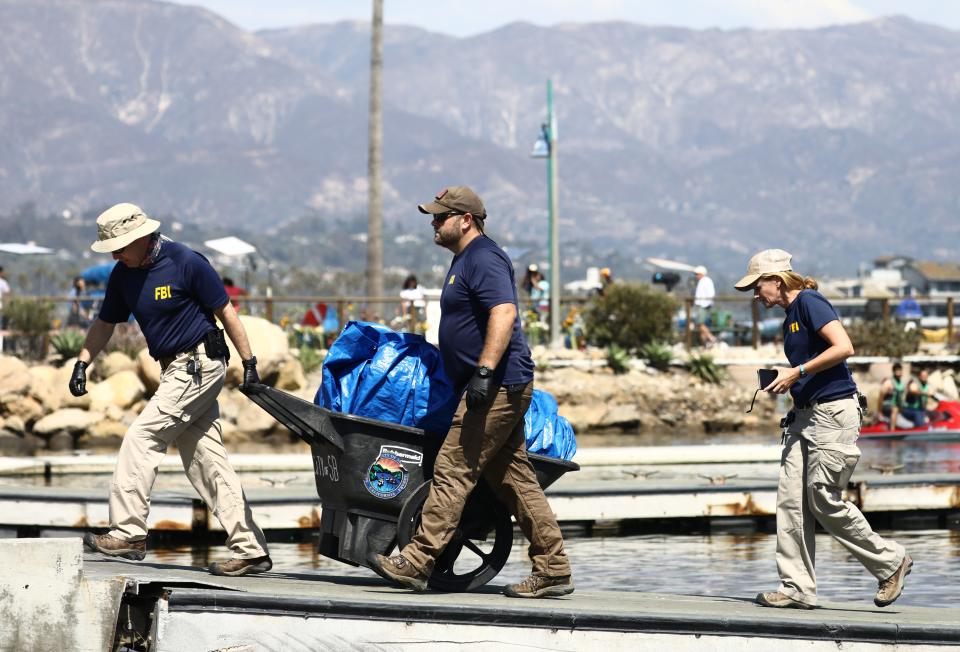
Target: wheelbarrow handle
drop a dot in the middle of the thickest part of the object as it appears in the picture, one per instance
(308, 421)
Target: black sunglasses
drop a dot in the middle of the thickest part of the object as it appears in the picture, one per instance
(442, 217)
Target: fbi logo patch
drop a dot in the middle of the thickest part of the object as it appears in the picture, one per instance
(794, 327)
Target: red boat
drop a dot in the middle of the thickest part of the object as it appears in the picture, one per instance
(944, 420)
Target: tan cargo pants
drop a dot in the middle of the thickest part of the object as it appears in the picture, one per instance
(819, 456)
(183, 410)
(490, 443)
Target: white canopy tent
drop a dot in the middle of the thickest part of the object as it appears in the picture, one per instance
(23, 248)
(232, 246)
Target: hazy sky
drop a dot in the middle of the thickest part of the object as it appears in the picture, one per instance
(466, 17)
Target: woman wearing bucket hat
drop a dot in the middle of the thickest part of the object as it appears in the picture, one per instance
(174, 293)
(819, 439)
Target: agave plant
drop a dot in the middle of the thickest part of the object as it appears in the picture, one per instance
(618, 359)
(657, 354)
(67, 343)
(706, 369)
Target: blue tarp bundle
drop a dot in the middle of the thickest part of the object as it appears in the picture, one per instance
(547, 432)
(372, 371)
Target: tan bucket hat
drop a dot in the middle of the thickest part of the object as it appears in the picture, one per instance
(120, 225)
(768, 261)
(457, 199)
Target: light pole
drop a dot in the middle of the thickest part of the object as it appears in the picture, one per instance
(546, 147)
(375, 161)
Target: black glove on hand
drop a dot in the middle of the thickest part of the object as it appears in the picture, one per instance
(78, 379)
(481, 389)
(250, 375)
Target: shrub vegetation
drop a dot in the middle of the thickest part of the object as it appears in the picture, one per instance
(629, 315)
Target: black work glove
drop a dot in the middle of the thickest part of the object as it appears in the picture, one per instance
(78, 379)
(250, 375)
(481, 389)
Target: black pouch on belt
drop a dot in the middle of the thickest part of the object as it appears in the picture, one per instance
(215, 346)
(788, 419)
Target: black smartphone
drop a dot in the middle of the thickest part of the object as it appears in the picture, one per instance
(766, 376)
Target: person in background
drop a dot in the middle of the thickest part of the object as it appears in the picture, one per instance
(526, 284)
(233, 291)
(892, 393)
(540, 293)
(703, 296)
(819, 440)
(4, 292)
(488, 361)
(606, 280)
(917, 396)
(80, 309)
(413, 304)
(174, 293)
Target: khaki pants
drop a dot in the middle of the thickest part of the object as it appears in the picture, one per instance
(819, 456)
(490, 443)
(183, 410)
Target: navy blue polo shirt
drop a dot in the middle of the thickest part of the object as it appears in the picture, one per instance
(480, 278)
(808, 313)
(173, 299)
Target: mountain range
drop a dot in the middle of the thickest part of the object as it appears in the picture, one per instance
(838, 144)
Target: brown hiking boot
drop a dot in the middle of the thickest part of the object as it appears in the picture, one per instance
(111, 545)
(401, 571)
(781, 601)
(237, 567)
(540, 586)
(891, 588)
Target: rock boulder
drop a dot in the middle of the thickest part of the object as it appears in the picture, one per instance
(15, 377)
(268, 343)
(121, 390)
(69, 420)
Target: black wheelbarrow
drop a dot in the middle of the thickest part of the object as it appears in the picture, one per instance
(373, 478)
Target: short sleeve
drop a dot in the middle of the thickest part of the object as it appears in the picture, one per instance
(818, 310)
(114, 309)
(204, 282)
(490, 279)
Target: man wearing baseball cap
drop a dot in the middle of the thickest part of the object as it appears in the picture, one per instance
(174, 294)
(488, 361)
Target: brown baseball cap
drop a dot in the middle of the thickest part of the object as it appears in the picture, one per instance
(769, 262)
(457, 199)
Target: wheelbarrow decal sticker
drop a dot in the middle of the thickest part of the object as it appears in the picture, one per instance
(387, 477)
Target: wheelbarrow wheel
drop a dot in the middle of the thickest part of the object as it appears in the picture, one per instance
(480, 545)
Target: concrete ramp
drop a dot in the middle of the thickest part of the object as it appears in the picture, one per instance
(46, 602)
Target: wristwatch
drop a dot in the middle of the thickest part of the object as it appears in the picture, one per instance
(803, 372)
(484, 371)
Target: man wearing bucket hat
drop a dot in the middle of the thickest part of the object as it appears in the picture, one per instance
(819, 438)
(174, 294)
(485, 354)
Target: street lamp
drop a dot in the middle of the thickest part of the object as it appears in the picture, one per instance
(546, 147)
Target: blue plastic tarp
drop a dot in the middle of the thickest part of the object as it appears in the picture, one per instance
(547, 432)
(372, 371)
(98, 273)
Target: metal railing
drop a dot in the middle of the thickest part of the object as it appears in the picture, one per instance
(880, 308)
(375, 309)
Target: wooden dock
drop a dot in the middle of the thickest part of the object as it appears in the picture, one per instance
(54, 597)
